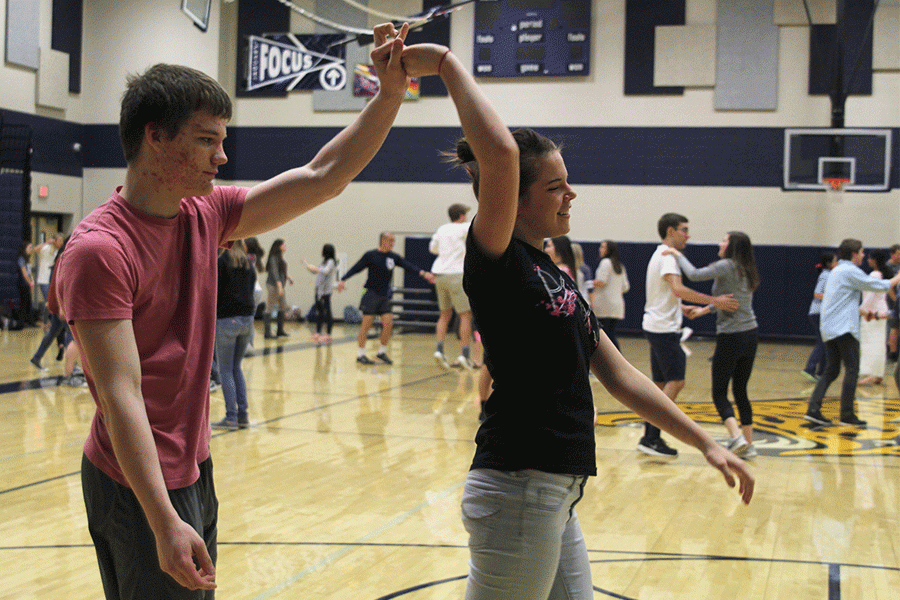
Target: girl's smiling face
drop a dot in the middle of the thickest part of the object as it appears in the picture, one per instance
(544, 209)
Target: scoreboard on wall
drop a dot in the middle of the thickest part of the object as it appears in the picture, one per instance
(541, 38)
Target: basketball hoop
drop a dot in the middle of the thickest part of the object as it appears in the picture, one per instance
(835, 189)
(835, 184)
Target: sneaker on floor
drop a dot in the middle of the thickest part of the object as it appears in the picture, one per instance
(226, 423)
(464, 362)
(853, 421)
(817, 418)
(441, 360)
(384, 358)
(811, 376)
(74, 380)
(37, 365)
(656, 447)
(738, 444)
(749, 452)
(243, 422)
(364, 360)
(214, 385)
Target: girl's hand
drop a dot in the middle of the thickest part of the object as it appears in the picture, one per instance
(386, 58)
(732, 468)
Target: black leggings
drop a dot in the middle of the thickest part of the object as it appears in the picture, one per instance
(323, 313)
(733, 361)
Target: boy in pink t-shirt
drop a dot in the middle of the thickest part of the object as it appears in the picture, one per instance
(140, 297)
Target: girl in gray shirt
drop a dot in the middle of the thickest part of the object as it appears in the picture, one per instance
(326, 275)
(736, 333)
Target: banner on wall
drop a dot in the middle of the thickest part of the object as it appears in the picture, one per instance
(288, 61)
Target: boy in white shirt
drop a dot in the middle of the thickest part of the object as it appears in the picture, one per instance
(449, 243)
(663, 314)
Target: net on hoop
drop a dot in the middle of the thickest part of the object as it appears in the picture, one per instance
(835, 184)
(835, 187)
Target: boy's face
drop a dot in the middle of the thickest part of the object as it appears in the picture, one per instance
(680, 235)
(191, 160)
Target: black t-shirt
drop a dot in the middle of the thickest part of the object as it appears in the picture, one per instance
(381, 268)
(538, 336)
(235, 289)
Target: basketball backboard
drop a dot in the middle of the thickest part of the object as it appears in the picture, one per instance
(814, 156)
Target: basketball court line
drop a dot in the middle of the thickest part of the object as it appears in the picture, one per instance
(338, 554)
(217, 433)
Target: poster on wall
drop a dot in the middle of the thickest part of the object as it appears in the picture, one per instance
(365, 83)
(287, 61)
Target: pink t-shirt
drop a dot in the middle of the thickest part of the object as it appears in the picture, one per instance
(121, 263)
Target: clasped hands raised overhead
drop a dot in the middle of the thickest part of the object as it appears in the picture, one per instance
(393, 59)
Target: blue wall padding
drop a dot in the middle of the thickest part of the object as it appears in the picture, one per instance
(857, 52)
(641, 19)
(10, 238)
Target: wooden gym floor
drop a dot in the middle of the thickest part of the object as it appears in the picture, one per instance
(348, 484)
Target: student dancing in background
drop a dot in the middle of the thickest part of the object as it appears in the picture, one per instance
(276, 281)
(610, 286)
(535, 448)
(234, 331)
(449, 244)
(815, 365)
(326, 279)
(663, 312)
(872, 332)
(840, 331)
(737, 334)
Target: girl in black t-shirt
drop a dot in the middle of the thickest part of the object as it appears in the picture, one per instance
(535, 448)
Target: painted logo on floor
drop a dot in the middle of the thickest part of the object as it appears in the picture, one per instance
(781, 430)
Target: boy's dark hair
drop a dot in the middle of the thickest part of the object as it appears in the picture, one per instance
(457, 210)
(669, 220)
(848, 248)
(166, 96)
